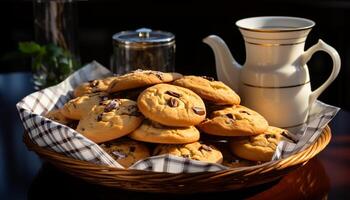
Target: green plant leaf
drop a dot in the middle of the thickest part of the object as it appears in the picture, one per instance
(54, 50)
(30, 48)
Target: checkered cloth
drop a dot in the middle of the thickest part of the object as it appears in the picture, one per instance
(320, 115)
(62, 139)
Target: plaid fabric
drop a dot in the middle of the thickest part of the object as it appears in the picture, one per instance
(320, 115)
(57, 137)
(174, 164)
(62, 139)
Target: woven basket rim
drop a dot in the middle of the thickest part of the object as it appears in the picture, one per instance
(296, 159)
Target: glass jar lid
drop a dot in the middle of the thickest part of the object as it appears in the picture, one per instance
(143, 37)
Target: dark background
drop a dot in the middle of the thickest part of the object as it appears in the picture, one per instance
(190, 21)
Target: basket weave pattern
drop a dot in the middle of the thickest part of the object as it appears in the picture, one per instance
(149, 181)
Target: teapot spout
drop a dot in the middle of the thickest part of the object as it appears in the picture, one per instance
(227, 69)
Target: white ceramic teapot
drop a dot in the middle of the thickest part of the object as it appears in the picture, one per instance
(274, 79)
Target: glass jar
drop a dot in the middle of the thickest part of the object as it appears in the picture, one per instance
(143, 49)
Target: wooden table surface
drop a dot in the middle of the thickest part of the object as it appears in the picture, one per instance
(23, 175)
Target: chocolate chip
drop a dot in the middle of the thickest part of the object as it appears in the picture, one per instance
(112, 105)
(172, 102)
(208, 78)
(159, 75)
(133, 111)
(119, 154)
(155, 73)
(83, 129)
(174, 94)
(289, 137)
(99, 117)
(94, 83)
(267, 136)
(198, 110)
(205, 147)
(243, 111)
(132, 108)
(132, 149)
(231, 116)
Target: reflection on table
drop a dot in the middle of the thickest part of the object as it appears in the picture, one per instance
(308, 182)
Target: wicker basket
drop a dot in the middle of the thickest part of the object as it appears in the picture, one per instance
(148, 181)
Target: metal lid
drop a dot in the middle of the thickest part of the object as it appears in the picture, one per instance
(143, 37)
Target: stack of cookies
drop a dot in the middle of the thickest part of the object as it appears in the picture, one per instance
(145, 113)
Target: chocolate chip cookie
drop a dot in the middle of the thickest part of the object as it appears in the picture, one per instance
(141, 78)
(229, 159)
(236, 120)
(194, 151)
(57, 116)
(79, 107)
(259, 147)
(171, 105)
(110, 119)
(93, 86)
(126, 152)
(209, 89)
(154, 132)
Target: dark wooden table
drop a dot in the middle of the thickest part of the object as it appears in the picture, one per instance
(23, 175)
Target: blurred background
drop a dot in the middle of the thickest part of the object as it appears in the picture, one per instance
(190, 21)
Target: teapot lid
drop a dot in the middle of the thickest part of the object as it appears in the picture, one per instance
(143, 37)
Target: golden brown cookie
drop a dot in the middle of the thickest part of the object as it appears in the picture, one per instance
(194, 151)
(141, 78)
(154, 132)
(57, 116)
(93, 86)
(171, 105)
(209, 89)
(126, 152)
(259, 147)
(79, 107)
(110, 120)
(234, 121)
(229, 159)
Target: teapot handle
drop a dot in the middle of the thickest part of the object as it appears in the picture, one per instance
(322, 46)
